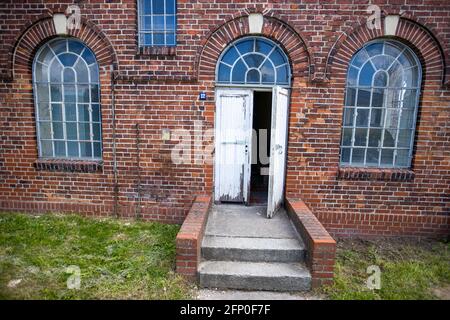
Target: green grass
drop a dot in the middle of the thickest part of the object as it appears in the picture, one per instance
(117, 259)
(409, 269)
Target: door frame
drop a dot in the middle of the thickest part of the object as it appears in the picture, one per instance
(247, 189)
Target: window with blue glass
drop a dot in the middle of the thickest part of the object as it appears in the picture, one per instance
(253, 61)
(157, 22)
(381, 103)
(66, 91)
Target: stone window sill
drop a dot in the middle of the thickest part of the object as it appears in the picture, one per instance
(64, 165)
(375, 174)
(156, 51)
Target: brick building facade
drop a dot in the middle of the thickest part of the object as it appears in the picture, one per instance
(148, 90)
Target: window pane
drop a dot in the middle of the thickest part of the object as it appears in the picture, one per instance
(170, 6)
(377, 97)
(372, 156)
(253, 76)
(94, 93)
(366, 74)
(239, 72)
(93, 69)
(75, 46)
(40, 72)
(389, 138)
(347, 137)
(60, 148)
(71, 112)
(282, 74)
(348, 116)
(363, 98)
(56, 71)
(345, 155)
(376, 118)
(254, 60)
(42, 92)
(407, 119)
(69, 93)
(83, 93)
(170, 22)
(358, 156)
(46, 148)
(245, 46)
(404, 138)
(360, 137)
(158, 6)
(56, 112)
(69, 75)
(97, 149)
(45, 130)
(277, 58)
(374, 49)
(96, 131)
(96, 112)
(82, 71)
(88, 56)
(83, 112)
(146, 23)
(380, 79)
(267, 73)
(230, 56)
(375, 137)
(360, 58)
(58, 132)
(224, 73)
(362, 117)
(352, 76)
(72, 149)
(350, 97)
(170, 39)
(158, 23)
(402, 158)
(71, 128)
(387, 157)
(85, 149)
(158, 38)
(56, 94)
(44, 111)
(67, 59)
(84, 131)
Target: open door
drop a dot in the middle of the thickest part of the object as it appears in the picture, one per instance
(278, 143)
(233, 145)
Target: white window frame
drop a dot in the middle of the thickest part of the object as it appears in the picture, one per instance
(398, 90)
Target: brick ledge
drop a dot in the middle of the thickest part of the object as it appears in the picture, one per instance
(65, 165)
(375, 174)
(321, 247)
(190, 236)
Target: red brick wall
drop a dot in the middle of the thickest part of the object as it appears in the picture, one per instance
(160, 91)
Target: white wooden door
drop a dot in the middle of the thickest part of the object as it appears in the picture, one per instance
(233, 145)
(278, 147)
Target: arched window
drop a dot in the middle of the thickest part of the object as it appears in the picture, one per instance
(253, 61)
(383, 87)
(66, 89)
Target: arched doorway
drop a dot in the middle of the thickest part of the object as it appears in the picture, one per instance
(253, 78)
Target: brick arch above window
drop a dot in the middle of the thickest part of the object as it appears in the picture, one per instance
(301, 59)
(43, 29)
(432, 55)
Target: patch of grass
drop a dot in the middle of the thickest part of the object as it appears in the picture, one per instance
(117, 259)
(409, 270)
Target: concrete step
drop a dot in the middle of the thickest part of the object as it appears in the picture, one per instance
(254, 276)
(252, 249)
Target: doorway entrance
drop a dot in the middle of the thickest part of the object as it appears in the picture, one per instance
(249, 123)
(259, 175)
(252, 75)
